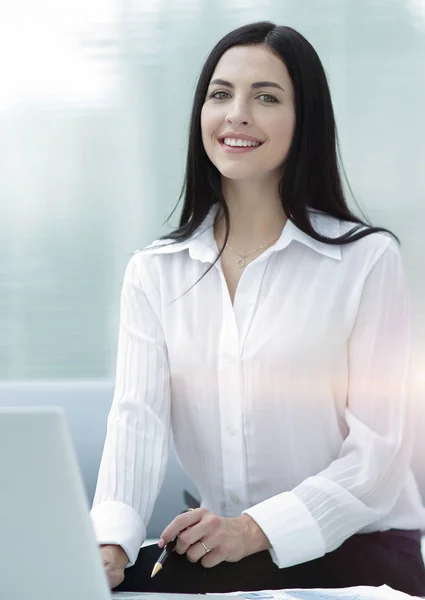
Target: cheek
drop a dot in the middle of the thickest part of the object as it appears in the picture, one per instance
(210, 123)
(206, 133)
(206, 124)
(283, 131)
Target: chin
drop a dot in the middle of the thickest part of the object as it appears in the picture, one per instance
(237, 173)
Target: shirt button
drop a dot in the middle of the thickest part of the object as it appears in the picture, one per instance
(235, 499)
(231, 430)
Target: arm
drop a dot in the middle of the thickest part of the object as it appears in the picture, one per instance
(136, 446)
(362, 485)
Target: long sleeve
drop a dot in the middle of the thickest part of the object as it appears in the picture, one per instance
(136, 445)
(363, 484)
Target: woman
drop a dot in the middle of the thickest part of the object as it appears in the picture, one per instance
(270, 333)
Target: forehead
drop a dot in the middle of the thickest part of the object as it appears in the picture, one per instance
(251, 63)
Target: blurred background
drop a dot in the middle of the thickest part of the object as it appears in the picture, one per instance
(95, 97)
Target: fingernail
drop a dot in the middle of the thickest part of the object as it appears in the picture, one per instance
(161, 543)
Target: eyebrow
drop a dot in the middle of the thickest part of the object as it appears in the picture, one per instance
(254, 86)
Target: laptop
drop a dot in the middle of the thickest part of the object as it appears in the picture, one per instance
(48, 549)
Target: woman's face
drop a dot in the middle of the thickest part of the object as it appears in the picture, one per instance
(250, 98)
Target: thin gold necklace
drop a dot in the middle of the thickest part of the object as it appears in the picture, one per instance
(241, 262)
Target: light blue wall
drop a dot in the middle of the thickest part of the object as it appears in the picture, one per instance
(94, 104)
(93, 120)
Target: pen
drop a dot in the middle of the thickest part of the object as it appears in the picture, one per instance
(192, 503)
(167, 550)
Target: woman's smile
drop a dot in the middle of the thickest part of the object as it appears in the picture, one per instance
(239, 144)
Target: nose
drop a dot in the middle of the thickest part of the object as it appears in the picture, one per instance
(238, 114)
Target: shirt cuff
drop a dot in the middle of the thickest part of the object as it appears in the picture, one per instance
(294, 535)
(118, 523)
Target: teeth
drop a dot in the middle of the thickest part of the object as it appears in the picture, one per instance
(238, 142)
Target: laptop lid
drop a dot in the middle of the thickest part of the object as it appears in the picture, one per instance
(47, 545)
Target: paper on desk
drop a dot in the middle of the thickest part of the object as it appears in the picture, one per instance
(163, 596)
(353, 593)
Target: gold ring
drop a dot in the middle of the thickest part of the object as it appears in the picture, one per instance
(205, 548)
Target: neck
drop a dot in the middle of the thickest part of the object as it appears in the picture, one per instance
(256, 214)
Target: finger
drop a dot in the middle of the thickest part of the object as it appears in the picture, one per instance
(161, 542)
(180, 523)
(197, 551)
(207, 527)
(211, 559)
(191, 535)
(111, 575)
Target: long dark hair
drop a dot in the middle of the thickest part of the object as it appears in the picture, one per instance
(311, 176)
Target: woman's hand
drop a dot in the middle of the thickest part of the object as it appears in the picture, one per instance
(114, 560)
(226, 538)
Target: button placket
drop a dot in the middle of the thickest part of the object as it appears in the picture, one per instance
(230, 402)
(248, 294)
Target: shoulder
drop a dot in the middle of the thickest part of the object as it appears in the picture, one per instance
(141, 267)
(159, 269)
(155, 252)
(370, 248)
(358, 258)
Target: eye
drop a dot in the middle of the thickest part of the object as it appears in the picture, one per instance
(268, 98)
(220, 95)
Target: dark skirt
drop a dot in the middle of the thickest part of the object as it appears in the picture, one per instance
(391, 557)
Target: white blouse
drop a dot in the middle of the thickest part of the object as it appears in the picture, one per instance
(290, 405)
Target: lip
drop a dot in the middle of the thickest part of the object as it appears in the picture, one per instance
(239, 136)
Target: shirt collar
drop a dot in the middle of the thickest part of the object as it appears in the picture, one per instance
(202, 245)
(324, 224)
